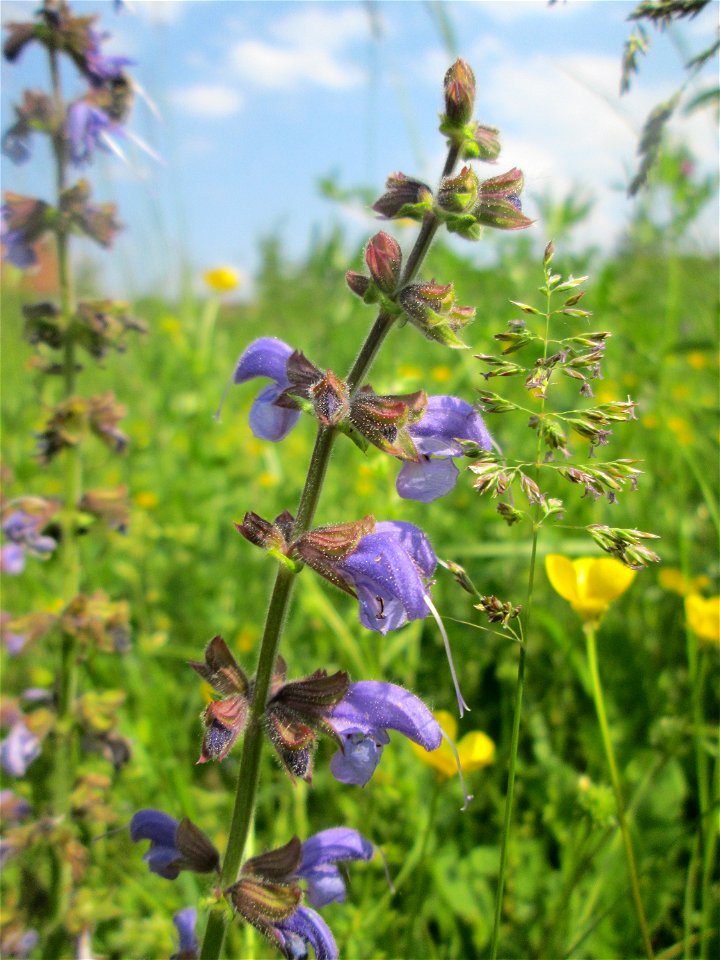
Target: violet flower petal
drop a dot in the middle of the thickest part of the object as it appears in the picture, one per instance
(426, 481)
(154, 825)
(446, 420)
(265, 357)
(311, 929)
(12, 559)
(375, 705)
(413, 541)
(185, 921)
(357, 759)
(332, 845)
(269, 422)
(18, 750)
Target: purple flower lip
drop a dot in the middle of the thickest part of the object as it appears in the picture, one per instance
(18, 750)
(174, 845)
(446, 421)
(266, 357)
(321, 853)
(362, 720)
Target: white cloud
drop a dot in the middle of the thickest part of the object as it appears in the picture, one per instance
(310, 47)
(161, 12)
(506, 11)
(208, 100)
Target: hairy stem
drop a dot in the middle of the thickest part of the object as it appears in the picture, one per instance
(617, 790)
(249, 772)
(66, 677)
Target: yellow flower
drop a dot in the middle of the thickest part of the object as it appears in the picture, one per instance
(697, 359)
(222, 279)
(589, 584)
(476, 749)
(675, 581)
(441, 374)
(703, 617)
(146, 499)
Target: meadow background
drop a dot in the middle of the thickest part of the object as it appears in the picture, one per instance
(187, 575)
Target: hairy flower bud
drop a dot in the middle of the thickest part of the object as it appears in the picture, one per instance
(458, 194)
(499, 203)
(483, 145)
(431, 308)
(459, 89)
(405, 197)
(358, 283)
(384, 259)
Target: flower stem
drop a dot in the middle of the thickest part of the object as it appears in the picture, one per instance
(66, 678)
(249, 772)
(615, 778)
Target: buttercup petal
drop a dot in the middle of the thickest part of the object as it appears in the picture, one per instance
(562, 576)
(605, 579)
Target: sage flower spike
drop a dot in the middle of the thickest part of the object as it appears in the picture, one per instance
(361, 722)
(446, 421)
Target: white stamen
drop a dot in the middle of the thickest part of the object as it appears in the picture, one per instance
(143, 94)
(145, 147)
(462, 705)
(467, 797)
(226, 390)
(391, 885)
(112, 146)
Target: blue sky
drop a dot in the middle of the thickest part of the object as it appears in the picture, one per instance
(257, 100)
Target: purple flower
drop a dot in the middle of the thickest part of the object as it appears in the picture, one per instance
(362, 720)
(305, 928)
(321, 853)
(185, 921)
(22, 530)
(389, 570)
(87, 128)
(18, 249)
(13, 808)
(174, 845)
(446, 421)
(268, 357)
(99, 67)
(18, 750)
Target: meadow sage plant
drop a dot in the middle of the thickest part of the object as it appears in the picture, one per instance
(388, 566)
(66, 721)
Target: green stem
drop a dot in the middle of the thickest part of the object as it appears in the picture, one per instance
(66, 679)
(416, 903)
(617, 790)
(248, 774)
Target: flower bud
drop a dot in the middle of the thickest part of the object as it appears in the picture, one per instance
(459, 88)
(358, 283)
(405, 197)
(384, 258)
(483, 145)
(432, 309)
(458, 194)
(499, 204)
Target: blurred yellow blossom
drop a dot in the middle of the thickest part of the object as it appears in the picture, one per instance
(409, 372)
(681, 428)
(589, 584)
(697, 359)
(146, 499)
(650, 421)
(703, 617)
(267, 479)
(680, 391)
(675, 581)
(476, 749)
(222, 279)
(441, 374)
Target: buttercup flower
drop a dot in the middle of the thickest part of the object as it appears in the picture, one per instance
(703, 617)
(446, 421)
(268, 357)
(361, 722)
(174, 845)
(589, 584)
(675, 581)
(475, 751)
(222, 279)
(321, 853)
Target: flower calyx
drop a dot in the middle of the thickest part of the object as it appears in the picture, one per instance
(384, 420)
(404, 198)
(431, 307)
